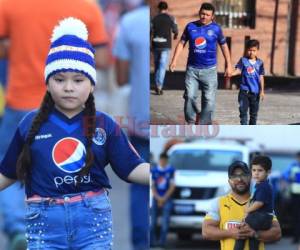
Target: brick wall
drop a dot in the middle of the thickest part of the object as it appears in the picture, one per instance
(186, 11)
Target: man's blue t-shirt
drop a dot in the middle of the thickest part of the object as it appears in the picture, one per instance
(263, 192)
(203, 41)
(162, 177)
(58, 153)
(250, 74)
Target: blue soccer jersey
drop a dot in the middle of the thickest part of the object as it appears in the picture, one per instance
(162, 177)
(203, 41)
(250, 74)
(58, 153)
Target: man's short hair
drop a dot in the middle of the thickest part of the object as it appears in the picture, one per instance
(252, 43)
(162, 5)
(207, 6)
(262, 160)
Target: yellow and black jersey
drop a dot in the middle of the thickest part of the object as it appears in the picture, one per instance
(230, 213)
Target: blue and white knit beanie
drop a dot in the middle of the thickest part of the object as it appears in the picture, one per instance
(70, 50)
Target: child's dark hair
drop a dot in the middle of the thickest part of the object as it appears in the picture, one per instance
(207, 6)
(164, 155)
(24, 161)
(262, 160)
(162, 5)
(252, 43)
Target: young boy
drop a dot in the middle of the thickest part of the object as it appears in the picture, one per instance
(259, 213)
(252, 87)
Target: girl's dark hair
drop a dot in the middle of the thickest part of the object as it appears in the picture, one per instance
(24, 161)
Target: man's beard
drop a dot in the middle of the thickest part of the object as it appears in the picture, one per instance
(241, 191)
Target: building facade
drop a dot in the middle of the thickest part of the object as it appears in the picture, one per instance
(275, 23)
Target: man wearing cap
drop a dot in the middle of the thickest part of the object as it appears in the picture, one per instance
(224, 220)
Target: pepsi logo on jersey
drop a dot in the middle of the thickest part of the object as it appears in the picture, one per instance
(69, 154)
(200, 42)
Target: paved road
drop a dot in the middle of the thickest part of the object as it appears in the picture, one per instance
(279, 107)
(197, 243)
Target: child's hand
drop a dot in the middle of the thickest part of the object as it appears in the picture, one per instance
(172, 66)
(262, 95)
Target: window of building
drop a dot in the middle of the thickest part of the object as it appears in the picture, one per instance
(235, 13)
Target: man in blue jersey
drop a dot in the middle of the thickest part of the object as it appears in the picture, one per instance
(202, 36)
(291, 176)
(252, 87)
(162, 190)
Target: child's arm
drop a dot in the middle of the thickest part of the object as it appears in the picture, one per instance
(254, 206)
(140, 174)
(5, 182)
(262, 87)
(236, 72)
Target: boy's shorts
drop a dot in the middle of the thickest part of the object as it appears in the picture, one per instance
(259, 220)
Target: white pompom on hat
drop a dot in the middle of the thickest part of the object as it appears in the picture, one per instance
(70, 50)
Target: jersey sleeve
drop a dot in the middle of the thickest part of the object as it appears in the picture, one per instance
(239, 65)
(96, 26)
(121, 48)
(214, 211)
(221, 37)
(121, 154)
(185, 36)
(8, 165)
(262, 69)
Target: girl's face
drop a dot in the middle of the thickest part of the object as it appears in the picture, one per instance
(69, 90)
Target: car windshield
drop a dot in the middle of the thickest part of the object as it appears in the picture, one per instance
(200, 159)
(280, 161)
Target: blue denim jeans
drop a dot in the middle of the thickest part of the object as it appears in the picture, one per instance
(80, 225)
(161, 59)
(13, 210)
(248, 101)
(207, 81)
(165, 218)
(139, 202)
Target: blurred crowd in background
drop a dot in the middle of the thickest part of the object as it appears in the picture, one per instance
(113, 95)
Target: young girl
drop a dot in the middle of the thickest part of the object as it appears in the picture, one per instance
(59, 152)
